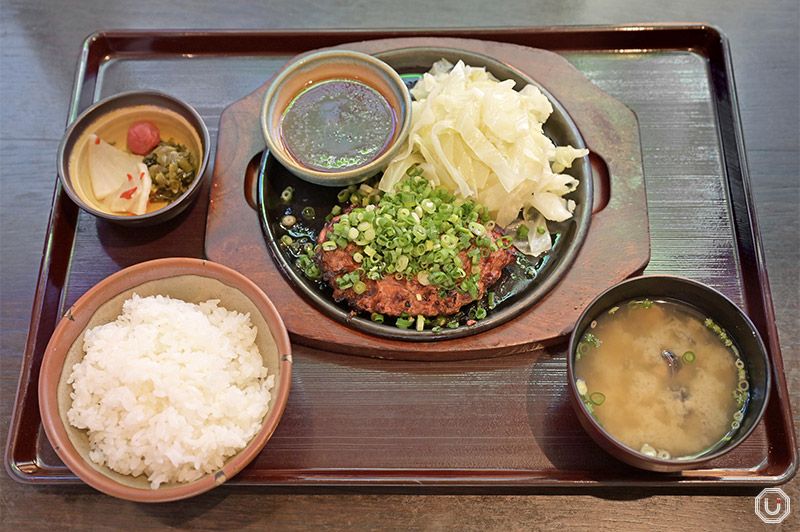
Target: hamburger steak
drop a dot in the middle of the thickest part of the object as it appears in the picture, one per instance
(394, 297)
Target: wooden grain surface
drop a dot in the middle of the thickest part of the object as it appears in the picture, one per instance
(39, 45)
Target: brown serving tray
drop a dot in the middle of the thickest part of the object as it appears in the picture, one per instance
(490, 423)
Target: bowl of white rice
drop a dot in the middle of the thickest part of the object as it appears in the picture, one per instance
(165, 379)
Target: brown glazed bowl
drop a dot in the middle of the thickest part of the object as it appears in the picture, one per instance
(710, 303)
(189, 279)
(110, 119)
(310, 69)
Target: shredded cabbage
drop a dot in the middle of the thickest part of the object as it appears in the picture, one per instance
(481, 139)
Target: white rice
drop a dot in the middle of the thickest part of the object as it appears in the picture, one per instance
(170, 389)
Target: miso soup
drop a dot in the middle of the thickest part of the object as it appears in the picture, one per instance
(661, 378)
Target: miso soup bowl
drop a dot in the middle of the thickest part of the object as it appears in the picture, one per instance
(711, 304)
(308, 70)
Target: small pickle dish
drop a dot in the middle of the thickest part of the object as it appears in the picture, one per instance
(135, 158)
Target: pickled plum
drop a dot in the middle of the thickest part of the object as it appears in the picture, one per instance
(143, 136)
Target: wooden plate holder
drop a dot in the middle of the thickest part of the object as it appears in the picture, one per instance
(616, 246)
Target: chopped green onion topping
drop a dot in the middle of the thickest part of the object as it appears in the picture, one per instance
(597, 398)
(306, 264)
(583, 349)
(477, 229)
(688, 357)
(649, 450)
(723, 336)
(592, 339)
(522, 232)
(403, 323)
(642, 303)
(417, 231)
(740, 397)
(288, 221)
(413, 171)
(287, 194)
(308, 212)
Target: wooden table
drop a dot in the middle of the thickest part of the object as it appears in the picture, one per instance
(40, 44)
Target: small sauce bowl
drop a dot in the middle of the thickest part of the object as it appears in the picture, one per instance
(338, 80)
(110, 119)
(708, 303)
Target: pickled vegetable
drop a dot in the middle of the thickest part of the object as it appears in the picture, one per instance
(173, 168)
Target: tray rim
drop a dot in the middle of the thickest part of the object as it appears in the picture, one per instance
(703, 38)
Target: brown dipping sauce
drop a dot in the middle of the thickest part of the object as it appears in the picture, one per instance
(337, 125)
